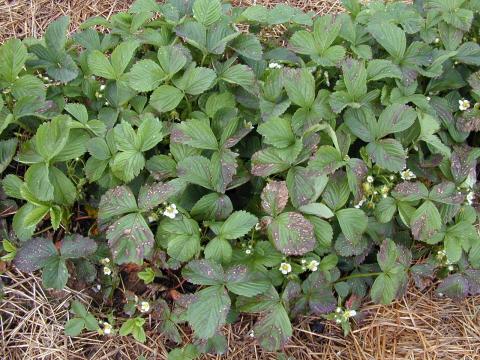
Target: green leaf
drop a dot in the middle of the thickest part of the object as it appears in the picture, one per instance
(34, 254)
(248, 45)
(355, 78)
(165, 98)
(55, 273)
(362, 123)
(38, 181)
(326, 30)
(152, 195)
(269, 161)
(130, 239)
(100, 66)
(146, 75)
(238, 224)
(209, 311)
(182, 237)
(395, 118)
(241, 281)
(390, 37)
(317, 209)
(240, 75)
(277, 132)
(121, 57)
(425, 221)
(219, 250)
(64, 191)
(7, 152)
(55, 35)
(196, 80)
(207, 12)
(387, 255)
(149, 133)
(195, 170)
(388, 154)
(292, 234)
(353, 223)
(300, 86)
(384, 289)
(135, 327)
(13, 56)
(196, 133)
(74, 326)
(379, 69)
(327, 160)
(117, 201)
(212, 206)
(385, 210)
(51, 137)
(172, 59)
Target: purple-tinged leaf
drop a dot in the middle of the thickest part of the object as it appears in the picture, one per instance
(292, 234)
(274, 197)
(267, 162)
(117, 201)
(423, 275)
(425, 221)
(463, 162)
(77, 246)
(455, 286)
(446, 193)
(469, 121)
(223, 166)
(319, 293)
(212, 206)
(410, 191)
(241, 281)
(273, 329)
(305, 185)
(152, 195)
(34, 254)
(130, 239)
(387, 255)
(203, 272)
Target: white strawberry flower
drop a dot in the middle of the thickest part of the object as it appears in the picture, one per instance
(313, 265)
(171, 211)
(274, 65)
(144, 306)
(285, 268)
(463, 104)
(370, 179)
(407, 174)
(107, 270)
(470, 197)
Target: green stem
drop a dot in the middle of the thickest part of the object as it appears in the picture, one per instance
(189, 105)
(361, 275)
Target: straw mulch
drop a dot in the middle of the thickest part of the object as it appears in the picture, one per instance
(418, 326)
(29, 18)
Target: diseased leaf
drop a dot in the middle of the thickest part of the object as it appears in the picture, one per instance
(34, 254)
(274, 197)
(292, 234)
(425, 221)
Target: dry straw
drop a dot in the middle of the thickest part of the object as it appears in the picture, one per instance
(418, 326)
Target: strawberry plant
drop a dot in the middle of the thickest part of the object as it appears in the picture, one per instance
(213, 171)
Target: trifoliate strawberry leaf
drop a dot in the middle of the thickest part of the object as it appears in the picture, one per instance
(292, 234)
(181, 237)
